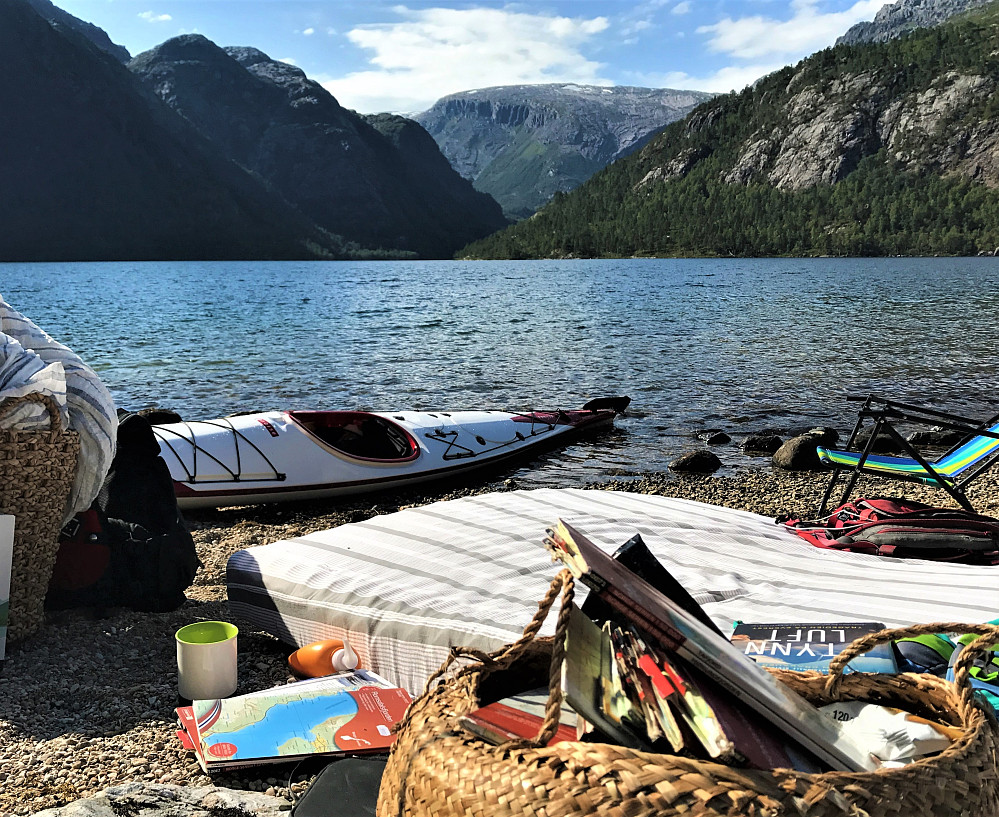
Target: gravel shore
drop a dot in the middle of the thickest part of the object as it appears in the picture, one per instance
(88, 702)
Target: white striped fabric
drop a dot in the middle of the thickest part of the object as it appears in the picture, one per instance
(23, 372)
(90, 410)
(408, 586)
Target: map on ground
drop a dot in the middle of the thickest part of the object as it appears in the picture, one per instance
(350, 712)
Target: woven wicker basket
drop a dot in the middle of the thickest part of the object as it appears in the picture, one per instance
(437, 769)
(38, 469)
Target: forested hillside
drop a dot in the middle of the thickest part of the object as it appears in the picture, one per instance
(879, 149)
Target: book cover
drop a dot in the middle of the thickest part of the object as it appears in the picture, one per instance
(676, 631)
(519, 716)
(350, 712)
(6, 560)
(503, 720)
(799, 646)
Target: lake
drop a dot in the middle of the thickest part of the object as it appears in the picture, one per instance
(735, 344)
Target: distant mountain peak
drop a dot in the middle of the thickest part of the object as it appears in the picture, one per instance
(182, 48)
(524, 143)
(255, 60)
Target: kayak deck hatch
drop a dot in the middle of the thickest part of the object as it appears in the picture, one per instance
(359, 434)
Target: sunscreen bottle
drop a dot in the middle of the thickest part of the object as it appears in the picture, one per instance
(323, 658)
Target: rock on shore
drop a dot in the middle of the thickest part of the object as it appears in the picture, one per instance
(152, 800)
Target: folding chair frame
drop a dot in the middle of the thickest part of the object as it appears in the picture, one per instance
(884, 412)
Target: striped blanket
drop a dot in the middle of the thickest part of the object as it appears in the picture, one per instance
(31, 361)
(406, 587)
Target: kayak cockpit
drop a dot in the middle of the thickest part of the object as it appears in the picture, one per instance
(359, 434)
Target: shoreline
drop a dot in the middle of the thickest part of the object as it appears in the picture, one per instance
(88, 702)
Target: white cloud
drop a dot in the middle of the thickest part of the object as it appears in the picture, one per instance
(153, 17)
(807, 31)
(640, 18)
(331, 31)
(434, 52)
(309, 32)
(681, 8)
(288, 61)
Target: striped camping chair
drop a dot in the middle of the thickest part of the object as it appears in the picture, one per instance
(951, 471)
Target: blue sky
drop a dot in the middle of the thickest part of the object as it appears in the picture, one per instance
(402, 56)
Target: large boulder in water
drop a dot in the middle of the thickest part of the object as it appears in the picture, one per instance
(762, 442)
(938, 439)
(883, 444)
(714, 437)
(824, 436)
(701, 461)
(798, 454)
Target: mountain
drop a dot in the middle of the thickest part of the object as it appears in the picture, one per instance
(378, 181)
(524, 143)
(97, 36)
(93, 167)
(896, 19)
(876, 149)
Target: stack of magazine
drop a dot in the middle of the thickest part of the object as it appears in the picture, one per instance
(655, 675)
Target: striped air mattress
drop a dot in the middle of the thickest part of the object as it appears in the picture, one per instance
(406, 587)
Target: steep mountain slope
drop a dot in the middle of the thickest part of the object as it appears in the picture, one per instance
(903, 16)
(524, 143)
(334, 165)
(98, 36)
(94, 167)
(868, 150)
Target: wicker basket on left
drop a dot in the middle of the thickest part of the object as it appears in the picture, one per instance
(37, 469)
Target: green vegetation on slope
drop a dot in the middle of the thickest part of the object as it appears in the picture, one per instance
(879, 207)
(529, 169)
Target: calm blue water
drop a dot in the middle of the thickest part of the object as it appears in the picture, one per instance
(735, 344)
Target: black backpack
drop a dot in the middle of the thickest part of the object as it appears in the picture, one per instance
(132, 547)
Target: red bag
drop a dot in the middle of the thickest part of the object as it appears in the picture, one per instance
(83, 554)
(905, 529)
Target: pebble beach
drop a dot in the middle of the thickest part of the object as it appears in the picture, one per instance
(88, 702)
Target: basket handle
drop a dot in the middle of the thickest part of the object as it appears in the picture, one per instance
(55, 418)
(962, 665)
(506, 655)
(503, 657)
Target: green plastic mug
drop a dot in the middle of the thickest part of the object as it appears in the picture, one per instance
(206, 660)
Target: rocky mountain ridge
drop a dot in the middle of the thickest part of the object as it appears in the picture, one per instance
(96, 163)
(379, 181)
(97, 36)
(899, 18)
(524, 143)
(92, 167)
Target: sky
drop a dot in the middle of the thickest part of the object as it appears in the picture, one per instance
(376, 56)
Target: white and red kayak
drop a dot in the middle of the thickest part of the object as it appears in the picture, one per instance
(276, 456)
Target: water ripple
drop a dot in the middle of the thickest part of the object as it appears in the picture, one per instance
(734, 344)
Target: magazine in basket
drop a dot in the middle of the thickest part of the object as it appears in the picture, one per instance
(811, 646)
(673, 630)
